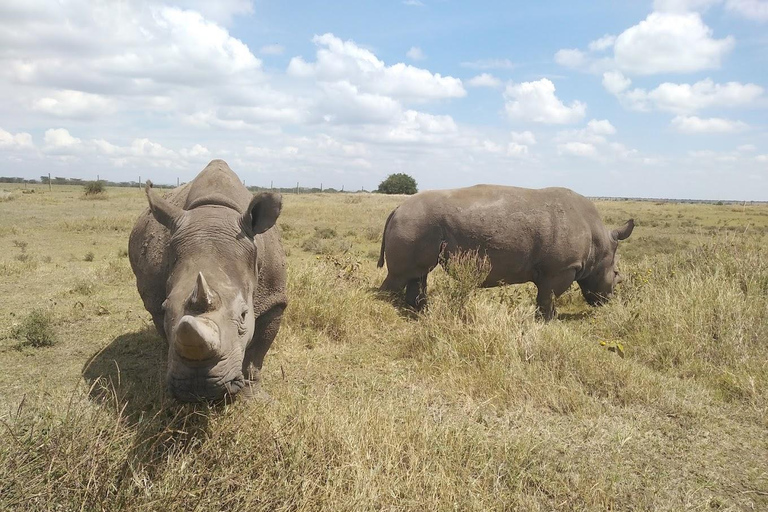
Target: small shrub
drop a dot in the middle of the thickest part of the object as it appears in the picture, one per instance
(35, 330)
(325, 233)
(94, 188)
(89, 256)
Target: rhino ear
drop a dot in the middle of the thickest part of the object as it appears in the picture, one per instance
(163, 211)
(262, 213)
(624, 231)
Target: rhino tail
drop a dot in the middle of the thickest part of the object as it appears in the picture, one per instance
(383, 237)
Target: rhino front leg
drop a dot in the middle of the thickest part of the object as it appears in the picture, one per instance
(267, 327)
(416, 293)
(549, 288)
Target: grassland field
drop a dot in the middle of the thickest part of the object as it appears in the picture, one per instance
(657, 401)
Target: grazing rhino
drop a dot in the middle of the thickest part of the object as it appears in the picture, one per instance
(210, 269)
(551, 237)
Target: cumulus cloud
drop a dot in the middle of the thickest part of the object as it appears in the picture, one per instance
(602, 127)
(577, 149)
(21, 140)
(345, 60)
(599, 45)
(687, 98)
(525, 137)
(615, 82)
(570, 58)
(670, 42)
(60, 138)
(536, 101)
(74, 104)
(484, 80)
(756, 10)
(693, 124)
(415, 53)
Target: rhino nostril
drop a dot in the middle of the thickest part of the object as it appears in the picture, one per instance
(196, 338)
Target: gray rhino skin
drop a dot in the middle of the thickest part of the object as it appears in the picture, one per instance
(551, 237)
(211, 270)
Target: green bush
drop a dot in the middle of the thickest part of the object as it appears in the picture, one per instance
(94, 188)
(399, 183)
(35, 330)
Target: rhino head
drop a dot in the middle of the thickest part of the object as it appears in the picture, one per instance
(212, 276)
(598, 287)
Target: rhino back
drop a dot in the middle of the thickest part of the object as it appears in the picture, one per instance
(525, 232)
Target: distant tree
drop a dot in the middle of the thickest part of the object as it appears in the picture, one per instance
(399, 183)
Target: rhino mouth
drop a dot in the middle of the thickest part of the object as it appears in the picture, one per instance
(204, 387)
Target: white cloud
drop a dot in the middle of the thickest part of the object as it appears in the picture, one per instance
(756, 10)
(525, 137)
(74, 104)
(415, 53)
(682, 98)
(413, 3)
(670, 42)
(615, 82)
(272, 49)
(517, 150)
(605, 42)
(19, 140)
(195, 151)
(577, 149)
(683, 5)
(60, 138)
(220, 11)
(570, 58)
(536, 101)
(603, 127)
(487, 64)
(761, 158)
(484, 80)
(693, 124)
(345, 60)
(746, 147)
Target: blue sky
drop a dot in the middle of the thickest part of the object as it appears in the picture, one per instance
(663, 98)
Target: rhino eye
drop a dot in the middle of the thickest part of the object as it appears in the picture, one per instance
(243, 315)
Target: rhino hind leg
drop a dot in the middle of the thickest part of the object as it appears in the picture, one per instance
(416, 293)
(267, 327)
(549, 288)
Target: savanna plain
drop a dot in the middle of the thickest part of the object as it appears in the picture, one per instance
(656, 401)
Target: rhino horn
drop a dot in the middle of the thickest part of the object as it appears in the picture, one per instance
(196, 338)
(164, 212)
(202, 298)
(624, 231)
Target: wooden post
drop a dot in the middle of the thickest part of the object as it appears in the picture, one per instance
(342, 188)
(321, 186)
(270, 185)
(50, 187)
(177, 181)
(139, 182)
(97, 178)
(297, 187)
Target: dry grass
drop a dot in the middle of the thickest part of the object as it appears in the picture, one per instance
(473, 405)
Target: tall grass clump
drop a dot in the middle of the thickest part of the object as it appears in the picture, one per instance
(468, 270)
(701, 315)
(36, 329)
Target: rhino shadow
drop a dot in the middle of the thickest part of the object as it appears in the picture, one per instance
(129, 373)
(128, 376)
